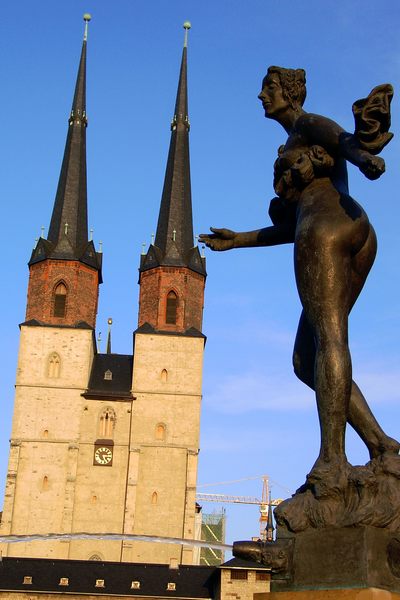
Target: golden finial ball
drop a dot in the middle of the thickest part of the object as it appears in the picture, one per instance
(187, 25)
(87, 17)
(109, 321)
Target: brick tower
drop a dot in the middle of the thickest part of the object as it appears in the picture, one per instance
(55, 356)
(167, 363)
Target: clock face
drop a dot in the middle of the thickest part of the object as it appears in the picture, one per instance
(103, 456)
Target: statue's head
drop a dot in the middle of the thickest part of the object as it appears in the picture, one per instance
(292, 83)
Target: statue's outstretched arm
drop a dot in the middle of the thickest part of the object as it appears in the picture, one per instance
(226, 239)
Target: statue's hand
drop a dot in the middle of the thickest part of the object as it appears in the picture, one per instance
(372, 166)
(219, 239)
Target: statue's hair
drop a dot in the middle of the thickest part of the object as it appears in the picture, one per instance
(293, 82)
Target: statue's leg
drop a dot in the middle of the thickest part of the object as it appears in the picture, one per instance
(360, 416)
(323, 275)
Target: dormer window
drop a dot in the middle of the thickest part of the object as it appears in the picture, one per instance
(60, 300)
(108, 375)
(172, 305)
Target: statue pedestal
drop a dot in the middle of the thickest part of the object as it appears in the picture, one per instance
(340, 561)
(350, 594)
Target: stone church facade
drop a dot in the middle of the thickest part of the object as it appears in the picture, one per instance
(109, 442)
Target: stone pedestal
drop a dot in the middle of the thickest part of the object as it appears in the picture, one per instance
(342, 560)
(350, 594)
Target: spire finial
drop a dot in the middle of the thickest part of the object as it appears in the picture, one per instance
(86, 18)
(109, 322)
(186, 26)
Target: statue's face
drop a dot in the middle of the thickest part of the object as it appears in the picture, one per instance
(272, 98)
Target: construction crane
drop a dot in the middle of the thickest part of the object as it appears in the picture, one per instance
(265, 503)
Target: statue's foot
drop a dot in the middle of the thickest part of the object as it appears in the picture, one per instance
(329, 478)
(387, 445)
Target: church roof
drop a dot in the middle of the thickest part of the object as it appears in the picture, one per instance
(111, 377)
(174, 244)
(68, 230)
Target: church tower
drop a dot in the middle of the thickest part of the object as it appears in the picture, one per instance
(167, 363)
(108, 443)
(55, 355)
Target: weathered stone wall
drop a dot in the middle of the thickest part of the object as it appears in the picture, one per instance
(163, 471)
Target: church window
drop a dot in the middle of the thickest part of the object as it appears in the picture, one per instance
(60, 300)
(46, 433)
(106, 425)
(160, 432)
(54, 364)
(164, 375)
(45, 483)
(108, 375)
(154, 498)
(172, 305)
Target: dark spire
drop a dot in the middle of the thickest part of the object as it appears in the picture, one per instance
(109, 321)
(68, 229)
(173, 244)
(270, 523)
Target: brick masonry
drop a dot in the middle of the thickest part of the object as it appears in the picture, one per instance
(155, 285)
(82, 283)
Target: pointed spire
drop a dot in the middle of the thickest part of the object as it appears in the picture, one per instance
(70, 205)
(174, 236)
(109, 321)
(270, 523)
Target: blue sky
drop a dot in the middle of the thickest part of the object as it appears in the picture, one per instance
(257, 418)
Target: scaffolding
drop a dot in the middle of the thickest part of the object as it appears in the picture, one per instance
(213, 530)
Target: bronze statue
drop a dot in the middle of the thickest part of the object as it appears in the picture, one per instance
(334, 249)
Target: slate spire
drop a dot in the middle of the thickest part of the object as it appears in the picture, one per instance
(173, 244)
(68, 229)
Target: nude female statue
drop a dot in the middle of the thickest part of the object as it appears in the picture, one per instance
(334, 249)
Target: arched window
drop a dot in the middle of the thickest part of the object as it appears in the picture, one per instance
(45, 434)
(164, 375)
(95, 557)
(45, 483)
(53, 367)
(106, 425)
(154, 498)
(60, 300)
(172, 305)
(160, 432)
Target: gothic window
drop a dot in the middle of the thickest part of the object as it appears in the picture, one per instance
(154, 498)
(53, 368)
(172, 305)
(106, 425)
(164, 375)
(45, 483)
(60, 300)
(45, 434)
(108, 375)
(160, 432)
